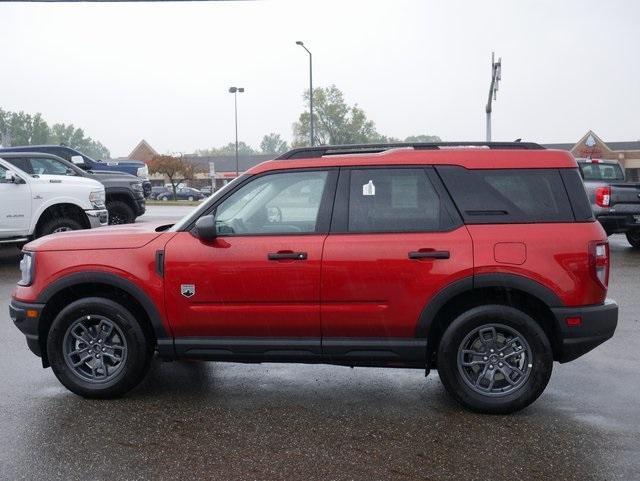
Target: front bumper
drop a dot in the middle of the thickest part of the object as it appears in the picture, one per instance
(598, 324)
(26, 317)
(97, 218)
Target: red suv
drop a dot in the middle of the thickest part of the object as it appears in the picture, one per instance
(482, 260)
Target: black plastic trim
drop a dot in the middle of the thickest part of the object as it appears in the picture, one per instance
(113, 280)
(598, 324)
(160, 262)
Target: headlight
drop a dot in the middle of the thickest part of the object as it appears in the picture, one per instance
(97, 199)
(143, 171)
(137, 186)
(27, 266)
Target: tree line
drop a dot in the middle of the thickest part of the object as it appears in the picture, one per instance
(20, 128)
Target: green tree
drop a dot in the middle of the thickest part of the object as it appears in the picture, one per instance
(335, 122)
(19, 128)
(273, 144)
(229, 149)
(423, 138)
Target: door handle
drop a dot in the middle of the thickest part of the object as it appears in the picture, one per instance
(429, 254)
(284, 255)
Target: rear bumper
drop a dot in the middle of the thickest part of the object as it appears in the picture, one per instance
(619, 223)
(26, 317)
(598, 324)
(97, 218)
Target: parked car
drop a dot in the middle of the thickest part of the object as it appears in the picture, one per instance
(484, 262)
(124, 197)
(155, 190)
(615, 202)
(131, 167)
(207, 190)
(182, 193)
(36, 205)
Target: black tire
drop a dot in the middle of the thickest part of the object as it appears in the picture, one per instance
(59, 224)
(190, 199)
(163, 198)
(120, 212)
(633, 236)
(136, 361)
(509, 319)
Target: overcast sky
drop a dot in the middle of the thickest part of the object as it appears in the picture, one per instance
(161, 71)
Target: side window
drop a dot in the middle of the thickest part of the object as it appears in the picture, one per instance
(393, 200)
(488, 196)
(45, 166)
(3, 172)
(282, 203)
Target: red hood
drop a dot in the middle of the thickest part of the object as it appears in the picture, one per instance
(130, 236)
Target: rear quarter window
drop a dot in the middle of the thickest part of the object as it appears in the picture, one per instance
(494, 196)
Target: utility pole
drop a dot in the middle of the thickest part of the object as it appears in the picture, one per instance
(234, 91)
(496, 75)
(311, 139)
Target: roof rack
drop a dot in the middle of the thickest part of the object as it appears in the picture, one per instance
(314, 152)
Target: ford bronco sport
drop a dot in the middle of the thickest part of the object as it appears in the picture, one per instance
(483, 261)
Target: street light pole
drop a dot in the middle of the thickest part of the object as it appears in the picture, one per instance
(311, 137)
(496, 76)
(234, 91)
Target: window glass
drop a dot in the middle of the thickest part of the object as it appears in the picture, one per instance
(392, 200)
(284, 203)
(3, 173)
(45, 166)
(595, 171)
(508, 195)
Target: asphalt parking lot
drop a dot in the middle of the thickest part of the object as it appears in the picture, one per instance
(233, 421)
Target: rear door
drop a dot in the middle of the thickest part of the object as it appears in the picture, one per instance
(395, 241)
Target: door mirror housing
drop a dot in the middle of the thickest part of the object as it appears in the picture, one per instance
(206, 228)
(12, 177)
(79, 161)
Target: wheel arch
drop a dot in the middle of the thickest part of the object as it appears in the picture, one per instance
(507, 289)
(65, 209)
(107, 285)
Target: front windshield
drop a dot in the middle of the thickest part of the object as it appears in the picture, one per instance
(189, 218)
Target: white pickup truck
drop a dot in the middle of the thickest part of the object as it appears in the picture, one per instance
(35, 205)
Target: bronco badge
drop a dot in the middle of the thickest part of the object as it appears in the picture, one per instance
(188, 290)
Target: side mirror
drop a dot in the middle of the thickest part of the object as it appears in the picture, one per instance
(206, 228)
(10, 176)
(79, 161)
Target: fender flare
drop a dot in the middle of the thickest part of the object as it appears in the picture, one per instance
(115, 281)
(510, 281)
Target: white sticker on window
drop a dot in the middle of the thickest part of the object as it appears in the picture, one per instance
(369, 188)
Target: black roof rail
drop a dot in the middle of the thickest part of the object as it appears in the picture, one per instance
(314, 152)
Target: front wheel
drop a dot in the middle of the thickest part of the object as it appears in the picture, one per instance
(59, 224)
(120, 212)
(97, 349)
(633, 236)
(494, 359)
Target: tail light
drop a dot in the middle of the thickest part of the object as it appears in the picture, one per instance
(599, 262)
(603, 196)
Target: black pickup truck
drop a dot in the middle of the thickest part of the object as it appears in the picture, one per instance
(615, 202)
(124, 194)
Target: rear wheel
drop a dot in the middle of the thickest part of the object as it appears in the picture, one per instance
(56, 225)
(495, 359)
(120, 212)
(633, 236)
(97, 349)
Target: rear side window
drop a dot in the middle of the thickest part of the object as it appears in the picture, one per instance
(393, 200)
(493, 196)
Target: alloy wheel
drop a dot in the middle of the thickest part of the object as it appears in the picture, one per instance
(94, 348)
(494, 360)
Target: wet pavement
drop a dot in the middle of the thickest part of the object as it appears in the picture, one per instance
(240, 422)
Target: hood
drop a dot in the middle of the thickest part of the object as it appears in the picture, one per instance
(71, 180)
(112, 175)
(128, 236)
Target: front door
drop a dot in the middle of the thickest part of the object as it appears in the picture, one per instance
(15, 205)
(395, 241)
(254, 289)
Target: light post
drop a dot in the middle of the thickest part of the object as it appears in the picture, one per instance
(299, 42)
(496, 76)
(234, 91)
